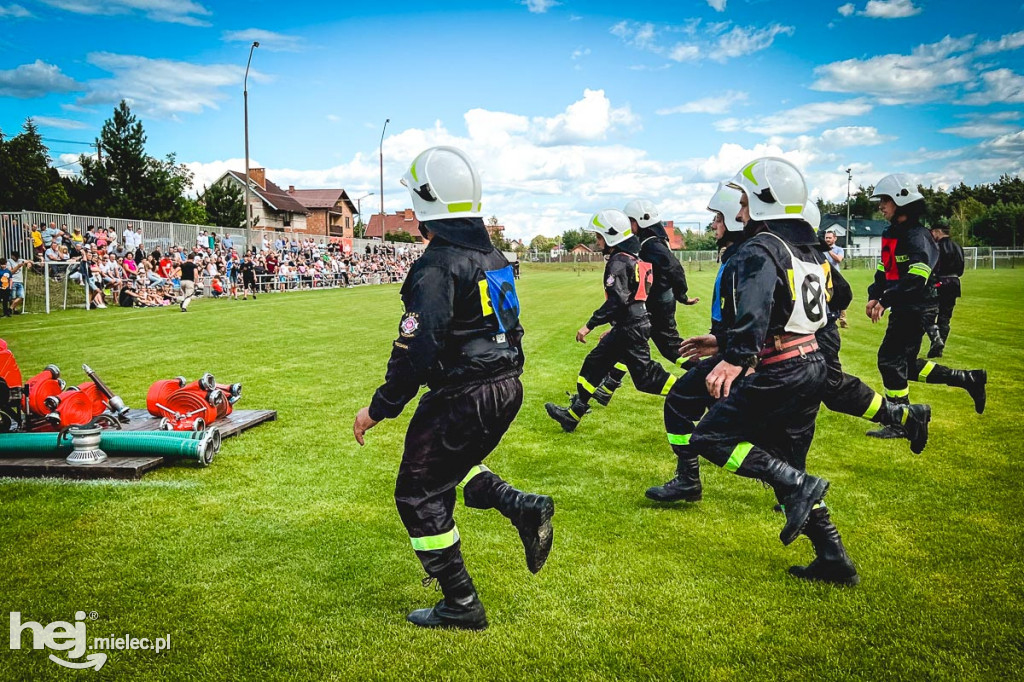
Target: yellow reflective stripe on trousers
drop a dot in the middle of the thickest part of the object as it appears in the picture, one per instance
(621, 367)
(475, 471)
(897, 393)
(919, 269)
(669, 383)
(679, 438)
(585, 384)
(925, 371)
(739, 453)
(433, 542)
(876, 404)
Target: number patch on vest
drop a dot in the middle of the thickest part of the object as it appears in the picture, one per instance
(498, 297)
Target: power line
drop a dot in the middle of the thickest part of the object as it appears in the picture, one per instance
(67, 141)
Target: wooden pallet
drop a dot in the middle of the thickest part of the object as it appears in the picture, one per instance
(127, 468)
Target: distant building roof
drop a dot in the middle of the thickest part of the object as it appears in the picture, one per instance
(400, 221)
(320, 198)
(863, 227)
(277, 198)
(676, 241)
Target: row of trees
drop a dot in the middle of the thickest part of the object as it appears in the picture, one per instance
(984, 215)
(122, 182)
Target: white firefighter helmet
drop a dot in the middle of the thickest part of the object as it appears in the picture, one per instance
(612, 224)
(812, 215)
(443, 183)
(775, 188)
(897, 187)
(726, 200)
(643, 211)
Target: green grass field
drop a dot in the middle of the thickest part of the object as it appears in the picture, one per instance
(286, 557)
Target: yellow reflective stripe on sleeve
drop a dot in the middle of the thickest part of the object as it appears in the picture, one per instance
(739, 453)
(680, 361)
(475, 471)
(920, 269)
(585, 384)
(925, 371)
(432, 542)
(460, 206)
(621, 367)
(679, 439)
(897, 393)
(881, 267)
(669, 383)
(485, 298)
(876, 404)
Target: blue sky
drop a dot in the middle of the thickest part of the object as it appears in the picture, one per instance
(568, 107)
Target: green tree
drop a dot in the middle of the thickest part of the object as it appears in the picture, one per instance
(126, 182)
(400, 237)
(225, 204)
(193, 212)
(570, 238)
(1001, 225)
(497, 236)
(26, 179)
(542, 244)
(700, 241)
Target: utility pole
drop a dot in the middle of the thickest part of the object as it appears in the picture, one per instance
(99, 150)
(849, 177)
(382, 232)
(245, 98)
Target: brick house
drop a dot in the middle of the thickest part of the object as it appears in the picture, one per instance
(331, 211)
(676, 241)
(399, 221)
(272, 207)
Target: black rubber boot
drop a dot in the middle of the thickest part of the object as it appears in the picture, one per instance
(529, 513)
(937, 342)
(798, 490)
(831, 563)
(913, 427)
(890, 417)
(685, 487)
(569, 418)
(971, 380)
(602, 396)
(460, 608)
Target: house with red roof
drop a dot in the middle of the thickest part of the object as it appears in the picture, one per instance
(272, 207)
(399, 221)
(331, 211)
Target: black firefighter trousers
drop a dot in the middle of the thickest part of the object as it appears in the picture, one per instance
(450, 434)
(624, 348)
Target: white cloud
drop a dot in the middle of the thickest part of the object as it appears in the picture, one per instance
(797, 120)
(35, 80)
(580, 52)
(589, 119)
(14, 12)
(160, 87)
(1010, 41)
(718, 104)
(745, 40)
(63, 123)
(896, 78)
(1001, 85)
(173, 11)
(540, 6)
(717, 41)
(717, 5)
(268, 40)
(853, 136)
(986, 125)
(847, 9)
(890, 9)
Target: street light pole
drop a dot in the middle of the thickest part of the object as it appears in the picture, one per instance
(849, 177)
(359, 210)
(245, 98)
(386, 121)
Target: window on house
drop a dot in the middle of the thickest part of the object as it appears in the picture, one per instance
(348, 222)
(286, 220)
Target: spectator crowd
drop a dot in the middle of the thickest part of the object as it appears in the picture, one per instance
(122, 272)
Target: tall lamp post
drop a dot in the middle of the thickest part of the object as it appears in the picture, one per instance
(849, 177)
(359, 210)
(386, 121)
(245, 98)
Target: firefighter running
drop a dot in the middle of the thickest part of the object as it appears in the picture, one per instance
(460, 335)
(626, 282)
(904, 284)
(947, 283)
(762, 423)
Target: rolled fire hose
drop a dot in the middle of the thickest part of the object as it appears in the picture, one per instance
(201, 446)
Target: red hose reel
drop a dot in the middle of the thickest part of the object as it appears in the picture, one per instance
(184, 406)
